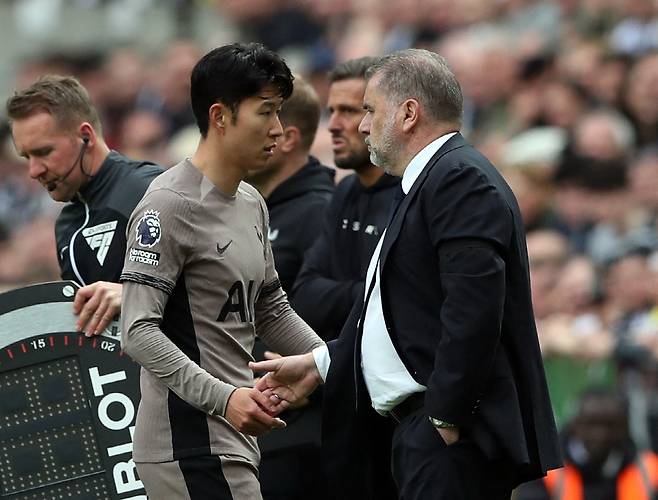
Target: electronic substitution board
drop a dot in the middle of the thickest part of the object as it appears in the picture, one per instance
(67, 403)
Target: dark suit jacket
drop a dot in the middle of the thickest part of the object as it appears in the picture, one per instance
(456, 298)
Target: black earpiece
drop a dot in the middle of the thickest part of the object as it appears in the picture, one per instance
(85, 139)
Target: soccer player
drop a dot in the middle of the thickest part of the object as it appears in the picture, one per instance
(200, 283)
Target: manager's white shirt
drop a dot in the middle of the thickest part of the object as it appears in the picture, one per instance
(387, 379)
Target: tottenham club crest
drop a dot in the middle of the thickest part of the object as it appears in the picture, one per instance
(148, 229)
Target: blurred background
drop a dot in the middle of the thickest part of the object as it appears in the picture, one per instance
(561, 95)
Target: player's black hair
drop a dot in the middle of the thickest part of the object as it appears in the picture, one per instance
(232, 73)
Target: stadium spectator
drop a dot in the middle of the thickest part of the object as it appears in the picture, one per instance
(601, 460)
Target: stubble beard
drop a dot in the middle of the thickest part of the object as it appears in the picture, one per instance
(384, 156)
(357, 159)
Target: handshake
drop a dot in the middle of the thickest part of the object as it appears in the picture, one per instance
(288, 380)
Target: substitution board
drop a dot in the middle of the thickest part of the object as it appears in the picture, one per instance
(67, 403)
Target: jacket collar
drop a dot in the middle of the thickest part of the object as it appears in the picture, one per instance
(422, 158)
(393, 230)
(311, 177)
(98, 180)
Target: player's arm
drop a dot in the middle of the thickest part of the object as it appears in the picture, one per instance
(276, 322)
(280, 326)
(160, 238)
(143, 339)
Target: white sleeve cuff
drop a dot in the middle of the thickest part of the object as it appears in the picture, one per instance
(322, 360)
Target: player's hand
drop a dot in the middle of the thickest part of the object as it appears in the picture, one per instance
(96, 306)
(246, 411)
(289, 379)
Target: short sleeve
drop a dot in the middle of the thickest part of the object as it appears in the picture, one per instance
(159, 239)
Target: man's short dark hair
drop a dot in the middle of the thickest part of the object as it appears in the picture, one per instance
(591, 174)
(302, 110)
(63, 97)
(599, 393)
(354, 68)
(232, 73)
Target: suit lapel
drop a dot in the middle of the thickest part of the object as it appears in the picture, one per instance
(393, 230)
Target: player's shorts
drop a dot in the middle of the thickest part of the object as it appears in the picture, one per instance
(223, 477)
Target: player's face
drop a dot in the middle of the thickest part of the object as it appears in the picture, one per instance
(345, 104)
(256, 129)
(379, 127)
(50, 153)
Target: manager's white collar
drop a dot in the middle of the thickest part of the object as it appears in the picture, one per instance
(418, 162)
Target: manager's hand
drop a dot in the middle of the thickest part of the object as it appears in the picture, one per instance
(300, 403)
(288, 379)
(246, 411)
(96, 306)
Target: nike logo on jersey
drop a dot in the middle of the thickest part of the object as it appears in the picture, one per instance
(272, 235)
(222, 250)
(99, 238)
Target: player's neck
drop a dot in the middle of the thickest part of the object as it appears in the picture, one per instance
(221, 173)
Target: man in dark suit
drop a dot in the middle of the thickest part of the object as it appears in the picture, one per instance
(444, 344)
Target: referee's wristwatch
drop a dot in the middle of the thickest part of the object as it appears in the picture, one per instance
(441, 424)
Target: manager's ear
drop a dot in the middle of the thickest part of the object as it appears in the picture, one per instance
(410, 114)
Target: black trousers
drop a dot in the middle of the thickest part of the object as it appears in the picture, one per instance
(293, 475)
(425, 468)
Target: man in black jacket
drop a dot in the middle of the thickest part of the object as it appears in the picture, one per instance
(445, 344)
(297, 190)
(56, 128)
(333, 273)
(296, 187)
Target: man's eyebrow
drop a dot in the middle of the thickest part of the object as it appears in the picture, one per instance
(35, 151)
(345, 107)
(270, 104)
(270, 98)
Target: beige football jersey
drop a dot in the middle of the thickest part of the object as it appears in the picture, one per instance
(199, 284)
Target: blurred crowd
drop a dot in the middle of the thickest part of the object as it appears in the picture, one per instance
(562, 95)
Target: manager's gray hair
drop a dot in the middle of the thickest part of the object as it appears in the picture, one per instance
(422, 75)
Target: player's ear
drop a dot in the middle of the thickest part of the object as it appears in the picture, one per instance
(217, 117)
